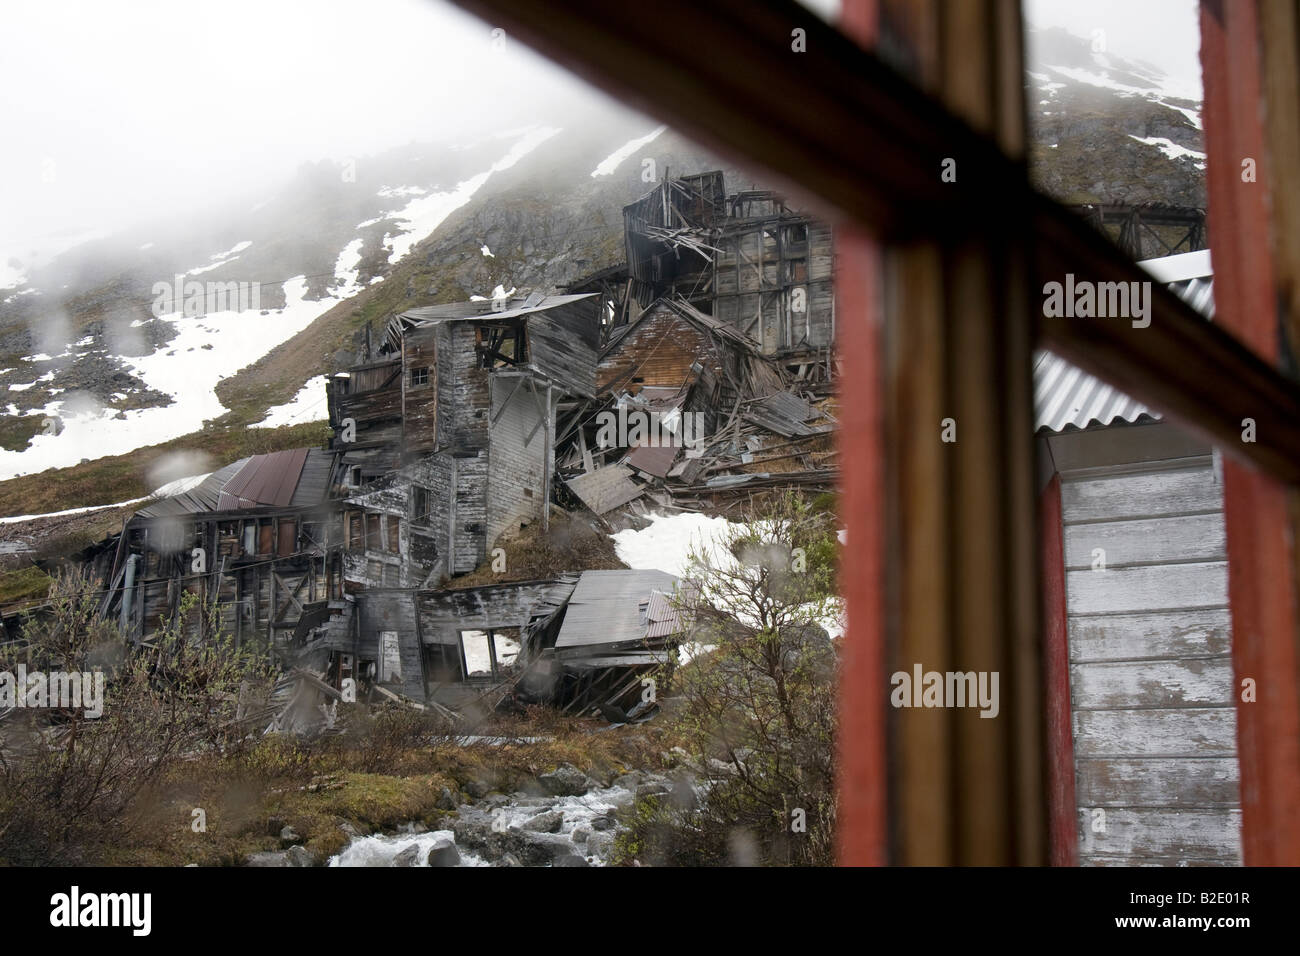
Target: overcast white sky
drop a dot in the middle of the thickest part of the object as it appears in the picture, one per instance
(147, 105)
(1164, 33)
(116, 111)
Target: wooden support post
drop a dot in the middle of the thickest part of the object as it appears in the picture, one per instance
(548, 460)
(1063, 830)
(959, 457)
(1248, 58)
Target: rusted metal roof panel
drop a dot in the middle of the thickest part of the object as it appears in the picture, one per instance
(606, 488)
(202, 497)
(654, 459)
(265, 480)
(299, 477)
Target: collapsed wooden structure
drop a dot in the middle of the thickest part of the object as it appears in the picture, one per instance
(465, 422)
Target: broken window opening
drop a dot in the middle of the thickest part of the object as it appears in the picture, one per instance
(490, 654)
(500, 346)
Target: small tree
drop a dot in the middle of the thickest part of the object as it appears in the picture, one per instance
(70, 781)
(756, 704)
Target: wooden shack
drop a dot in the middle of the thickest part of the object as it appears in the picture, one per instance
(1135, 508)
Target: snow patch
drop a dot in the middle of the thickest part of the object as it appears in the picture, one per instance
(309, 405)
(611, 162)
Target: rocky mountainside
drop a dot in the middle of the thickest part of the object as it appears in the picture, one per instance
(1104, 129)
(95, 363)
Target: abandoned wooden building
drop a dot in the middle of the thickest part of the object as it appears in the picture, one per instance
(746, 259)
(1137, 570)
(256, 542)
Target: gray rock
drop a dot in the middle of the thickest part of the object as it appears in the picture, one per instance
(603, 823)
(548, 822)
(349, 831)
(600, 845)
(566, 781)
(510, 859)
(414, 827)
(268, 858)
(569, 859)
(300, 856)
(408, 857)
(630, 780)
(446, 800)
(288, 835)
(653, 788)
(580, 834)
(444, 853)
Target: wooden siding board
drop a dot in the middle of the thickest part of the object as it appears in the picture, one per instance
(1151, 679)
(1135, 834)
(1158, 782)
(1147, 540)
(1183, 732)
(1143, 495)
(516, 467)
(1205, 632)
(1170, 683)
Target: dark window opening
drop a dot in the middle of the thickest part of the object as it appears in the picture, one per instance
(420, 376)
(420, 505)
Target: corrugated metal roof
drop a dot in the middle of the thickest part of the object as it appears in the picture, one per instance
(606, 607)
(202, 497)
(453, 311)
(298, 477)
(264, 480)
(1066, 397)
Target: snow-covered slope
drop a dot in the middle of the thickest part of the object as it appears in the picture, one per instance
(1107, 129)
(171, 355)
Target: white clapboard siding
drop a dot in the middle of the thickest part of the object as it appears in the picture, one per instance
(1179, 538)
(1157, 781)
(1172, 732)
(1148, 588)
(1164, 833)
(1204, 632)
(1151, 680)
(1142, 495)
(1107, 685)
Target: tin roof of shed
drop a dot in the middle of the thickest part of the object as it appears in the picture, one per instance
(1066, 397)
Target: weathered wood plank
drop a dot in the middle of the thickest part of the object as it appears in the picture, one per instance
(1176, 683)
(1158, 782)
(1149, 494)
(1191, 732)
(1197, 633)
(1146, 541)
(1173, 586)
(1135, 834)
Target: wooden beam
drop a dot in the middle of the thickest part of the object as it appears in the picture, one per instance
(861, 761)
(1063, 830)
(1252, 225)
